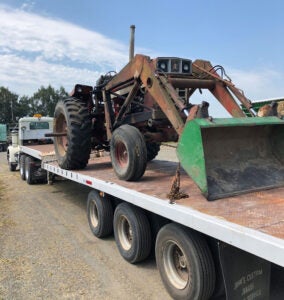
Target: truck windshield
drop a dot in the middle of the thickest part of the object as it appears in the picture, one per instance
(39, 125)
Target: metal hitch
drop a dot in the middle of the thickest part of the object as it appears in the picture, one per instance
(227, 157)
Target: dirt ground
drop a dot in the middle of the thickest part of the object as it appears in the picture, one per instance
(47, 250)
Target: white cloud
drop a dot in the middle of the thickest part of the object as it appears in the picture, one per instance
(259, 84)
(36, 50)
(24, 76)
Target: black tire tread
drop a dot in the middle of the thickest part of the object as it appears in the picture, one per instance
(79, 134)
(22, 167)
(199, 249)
(105, 209)
(138, 163)
(29, 168)
(142, 249)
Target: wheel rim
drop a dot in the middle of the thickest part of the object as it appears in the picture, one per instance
(125, 233)
(121, 154)
(61, 141)
(176, 265)
(94, 214)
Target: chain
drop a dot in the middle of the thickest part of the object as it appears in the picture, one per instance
(175, 193)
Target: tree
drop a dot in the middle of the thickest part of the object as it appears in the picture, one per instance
(45, 99)
(8, 104)
(22, 108)
(42, 102)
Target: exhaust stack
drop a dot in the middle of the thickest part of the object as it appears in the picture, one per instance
(131, 43)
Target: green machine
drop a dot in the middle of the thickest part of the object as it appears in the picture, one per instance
(227, 157)
(3, 137)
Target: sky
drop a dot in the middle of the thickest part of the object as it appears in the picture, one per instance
(64, 42)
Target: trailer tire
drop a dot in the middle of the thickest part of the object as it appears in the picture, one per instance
(128, 153)
(100, 214)
(72, 151)
(22, 166)
(132, 232)
(152, 150)
(29, 170)
(185, 263)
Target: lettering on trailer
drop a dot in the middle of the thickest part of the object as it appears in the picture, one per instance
(246, 276)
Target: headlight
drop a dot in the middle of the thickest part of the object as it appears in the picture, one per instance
(174, 65)
(186, 67)
(162, 65)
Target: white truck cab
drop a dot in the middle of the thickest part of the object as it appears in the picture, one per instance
(31, 130)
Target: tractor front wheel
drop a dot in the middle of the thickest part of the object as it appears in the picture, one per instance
(128, 153)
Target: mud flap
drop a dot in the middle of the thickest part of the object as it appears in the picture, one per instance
(246, 276)
(227, 157)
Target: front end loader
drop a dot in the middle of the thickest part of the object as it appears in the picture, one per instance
(148, 102)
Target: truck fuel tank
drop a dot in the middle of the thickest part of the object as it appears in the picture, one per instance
(227, 157)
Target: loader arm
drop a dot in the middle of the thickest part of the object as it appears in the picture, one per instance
(162, 88)
(140, 69)
(223, 89)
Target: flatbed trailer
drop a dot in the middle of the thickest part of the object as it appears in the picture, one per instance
(245, 233)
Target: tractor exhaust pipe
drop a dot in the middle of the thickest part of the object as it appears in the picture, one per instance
(131, 43)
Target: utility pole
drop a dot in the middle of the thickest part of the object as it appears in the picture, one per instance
(12, 110)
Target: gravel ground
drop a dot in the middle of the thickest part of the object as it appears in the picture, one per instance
(47, 250)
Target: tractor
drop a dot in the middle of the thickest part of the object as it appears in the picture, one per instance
(130, 113)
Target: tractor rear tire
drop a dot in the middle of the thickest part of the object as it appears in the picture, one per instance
(71, 116)
(128, 153)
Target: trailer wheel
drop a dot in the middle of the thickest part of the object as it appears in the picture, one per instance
(73, 150)
(100, 214)
(152, 150)
(132, 232)
(29, 170)
(185, 263)
(128, 153)
(22, 166)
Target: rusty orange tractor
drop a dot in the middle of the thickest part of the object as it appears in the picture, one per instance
(148, 102)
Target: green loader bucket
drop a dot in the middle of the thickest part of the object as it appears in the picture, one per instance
(227, 157)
